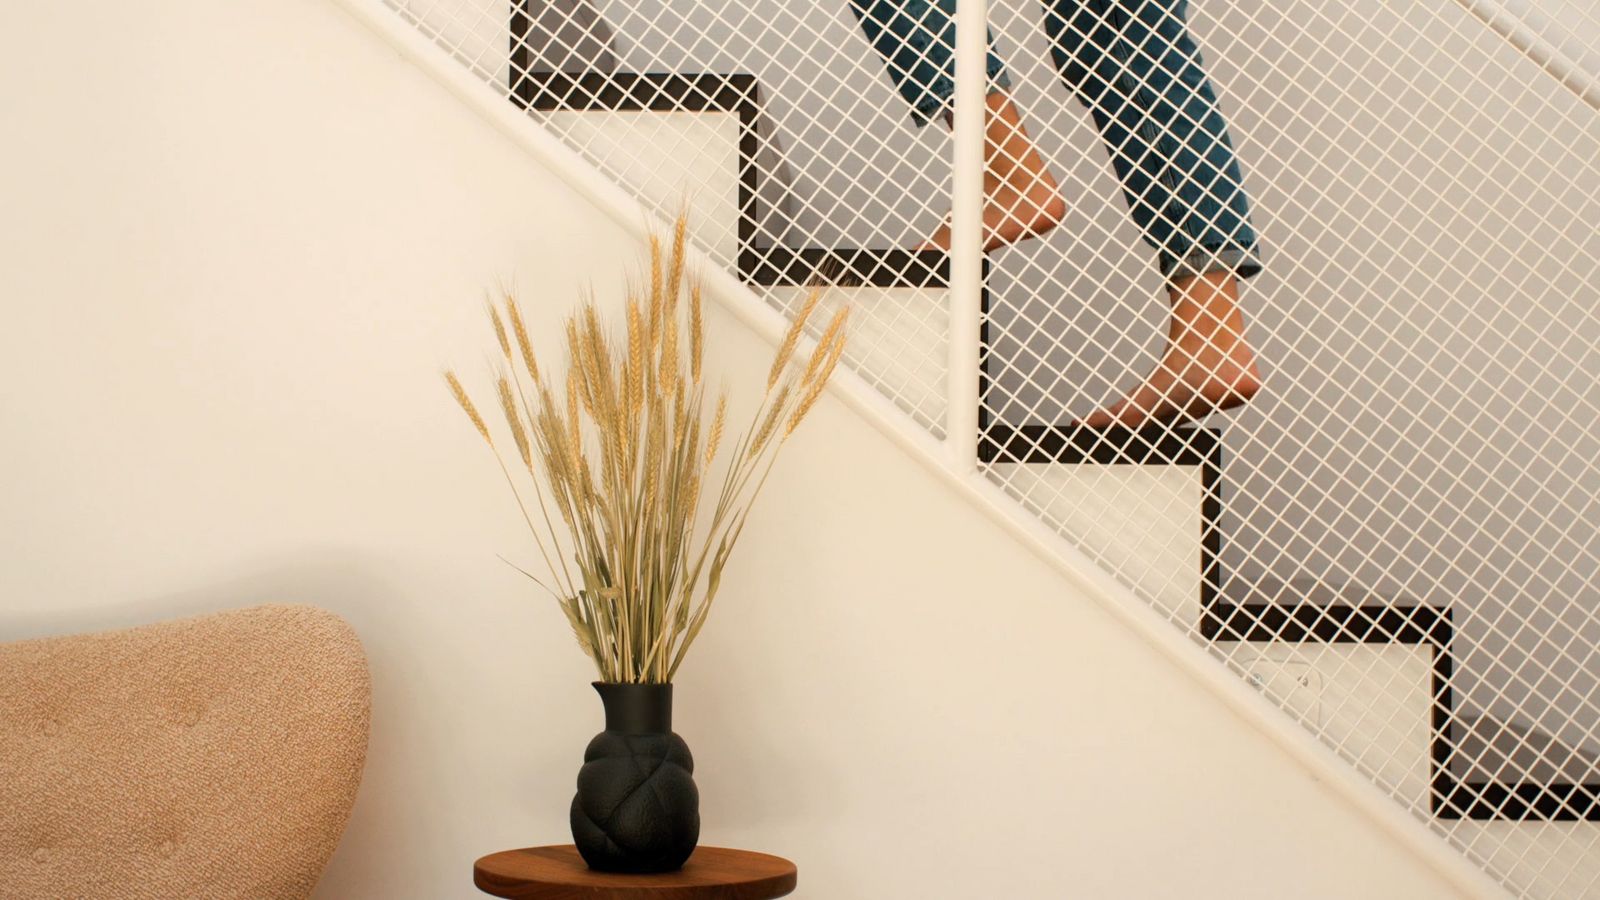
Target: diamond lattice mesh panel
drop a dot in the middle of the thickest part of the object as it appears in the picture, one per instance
(1395, 538)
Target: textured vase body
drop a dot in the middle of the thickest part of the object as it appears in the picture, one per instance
(637, 809)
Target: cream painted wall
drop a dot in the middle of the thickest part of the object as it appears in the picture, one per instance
(240, 240)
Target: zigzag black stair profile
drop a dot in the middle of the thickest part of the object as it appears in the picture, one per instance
(762, 206)
(1281, 615)
(1157, 445)
(1285, 614)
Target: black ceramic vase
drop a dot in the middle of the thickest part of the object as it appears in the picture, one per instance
(637, 809)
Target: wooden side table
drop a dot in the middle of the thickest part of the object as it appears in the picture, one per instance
(559, 873)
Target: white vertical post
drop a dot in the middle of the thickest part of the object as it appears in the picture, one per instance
(966, 233)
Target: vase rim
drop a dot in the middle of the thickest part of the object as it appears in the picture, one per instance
(634, 708)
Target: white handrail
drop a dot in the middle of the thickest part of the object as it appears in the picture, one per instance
(1580, 76)
(966, 235)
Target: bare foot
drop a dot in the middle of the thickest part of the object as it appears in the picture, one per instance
(1012, 211)
(1021, 197)
(1207, 367)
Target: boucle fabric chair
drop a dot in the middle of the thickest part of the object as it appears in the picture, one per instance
(210, 757)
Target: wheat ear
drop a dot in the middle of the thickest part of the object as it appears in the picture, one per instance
(499, 329)
(821, 351)
(508, 406)
(771, 422)
(680, 232)
(521, 332)
(637, 361)
(792, 337)
(460, 394)
(815, 390)
(715, 438)
(656, 298)
(697, 328)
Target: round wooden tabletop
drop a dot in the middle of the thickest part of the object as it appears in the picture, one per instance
(559, 873)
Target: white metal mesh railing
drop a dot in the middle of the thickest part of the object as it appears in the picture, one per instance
(1395, 538)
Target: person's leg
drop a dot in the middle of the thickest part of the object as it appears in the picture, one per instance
(916, 39)
(1134, 65)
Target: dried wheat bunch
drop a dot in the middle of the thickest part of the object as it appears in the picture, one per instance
(617, 453)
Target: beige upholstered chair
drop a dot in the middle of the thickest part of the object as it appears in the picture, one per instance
(206, 758)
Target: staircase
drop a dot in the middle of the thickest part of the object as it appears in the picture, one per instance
(899, 319)
(899, 322)
(1369, 673)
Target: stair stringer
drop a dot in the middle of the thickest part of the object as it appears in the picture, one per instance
(962, 478)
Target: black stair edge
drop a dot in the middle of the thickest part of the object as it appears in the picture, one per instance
(730, 92)
(1524, 801)
(1076, 444)
(1339, 623)
(845, 266)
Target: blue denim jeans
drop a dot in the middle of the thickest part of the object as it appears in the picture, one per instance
(1134, 65)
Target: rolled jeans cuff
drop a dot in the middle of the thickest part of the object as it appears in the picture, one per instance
(938, 97)
(1241, 262)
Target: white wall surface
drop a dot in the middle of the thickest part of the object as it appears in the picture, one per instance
(240, 240)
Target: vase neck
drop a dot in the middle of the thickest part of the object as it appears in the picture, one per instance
(637, 708)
